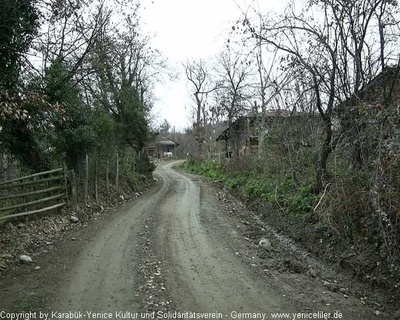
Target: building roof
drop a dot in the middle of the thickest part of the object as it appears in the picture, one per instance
(157, 139)
(164, 141)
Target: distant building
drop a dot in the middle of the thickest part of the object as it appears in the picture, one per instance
(369, 120)
(381, 92)
(243, 135)
(159, 146)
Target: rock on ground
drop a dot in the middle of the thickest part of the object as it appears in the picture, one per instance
(265, 243)
(25, 259)
(74, 219)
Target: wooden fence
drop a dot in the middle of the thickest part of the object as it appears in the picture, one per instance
(51, 189)
(44, 187)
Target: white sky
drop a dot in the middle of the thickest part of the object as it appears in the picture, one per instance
(190, 29)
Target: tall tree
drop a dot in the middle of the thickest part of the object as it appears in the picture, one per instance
(19, 22)
(234, 71)
(164, 128)
(199, 77)
(124, 67)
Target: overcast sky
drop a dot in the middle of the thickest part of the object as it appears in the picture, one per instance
(190, 29)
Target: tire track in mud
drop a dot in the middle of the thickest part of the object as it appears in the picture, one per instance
(201, 275)
(105, 277)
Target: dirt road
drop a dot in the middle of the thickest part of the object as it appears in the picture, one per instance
(187, 247)
(203, 274)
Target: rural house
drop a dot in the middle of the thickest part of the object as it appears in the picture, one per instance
(160, 146)
(243, 136)
(370, 118)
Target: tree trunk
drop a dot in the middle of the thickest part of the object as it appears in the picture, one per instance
(96, 193)
(248, 140)
(199, 132)
(324, 156)
(117, 172)
(74, 197)
(86, 177)
(107, 175)
(261, 134)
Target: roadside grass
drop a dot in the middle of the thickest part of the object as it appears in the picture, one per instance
(341, 213)
(32, 302)
(296, 199)
(343, 207)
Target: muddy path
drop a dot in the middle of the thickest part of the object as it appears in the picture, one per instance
(204, 274)
(184, 247)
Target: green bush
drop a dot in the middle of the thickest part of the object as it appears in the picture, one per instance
(301, 201)
(144, 166)
(211, 170)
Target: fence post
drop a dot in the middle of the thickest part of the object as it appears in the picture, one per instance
(117, 174)
(107, 173)
(66, 183)
(86, 177)
(74, 200)
(96, 195)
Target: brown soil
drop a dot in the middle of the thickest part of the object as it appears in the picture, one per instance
(357, 265)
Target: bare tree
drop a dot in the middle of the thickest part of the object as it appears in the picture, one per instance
(233, 93)
(70, 38)
(332, 51)
(199, 77)
(270, 85)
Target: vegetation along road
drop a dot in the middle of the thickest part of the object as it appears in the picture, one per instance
(184, 249)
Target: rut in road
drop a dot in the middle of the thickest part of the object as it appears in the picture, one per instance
(205, 276)
(105, 277)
